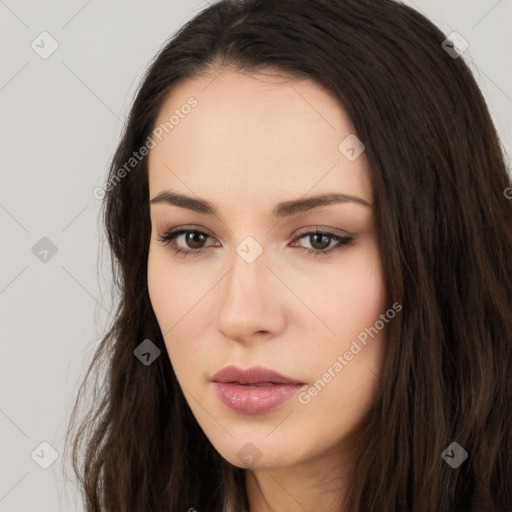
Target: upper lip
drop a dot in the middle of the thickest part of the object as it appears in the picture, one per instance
(253, 375)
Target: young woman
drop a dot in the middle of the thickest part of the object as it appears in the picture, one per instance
(311, 236)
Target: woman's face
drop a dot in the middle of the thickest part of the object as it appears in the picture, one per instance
(251, 146)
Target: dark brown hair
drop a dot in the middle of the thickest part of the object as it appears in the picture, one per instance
(445, 237)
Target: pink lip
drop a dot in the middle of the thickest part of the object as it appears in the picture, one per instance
(255, 390)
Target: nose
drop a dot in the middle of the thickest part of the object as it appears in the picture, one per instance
(251, 301)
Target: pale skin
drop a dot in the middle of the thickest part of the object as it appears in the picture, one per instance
(251, 142)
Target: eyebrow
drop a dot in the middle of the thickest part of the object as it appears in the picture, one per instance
(283, 209)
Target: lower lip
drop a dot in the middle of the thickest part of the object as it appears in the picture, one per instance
(254, 399)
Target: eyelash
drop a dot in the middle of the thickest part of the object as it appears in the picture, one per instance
(170, 235)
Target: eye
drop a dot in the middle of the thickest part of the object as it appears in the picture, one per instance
(321, 240)
(195, 239)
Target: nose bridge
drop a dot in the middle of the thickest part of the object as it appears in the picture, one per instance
(247, 304)
(245, 282)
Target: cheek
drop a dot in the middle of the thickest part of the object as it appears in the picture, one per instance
(361, 297)
(355, 313)
(342, 298)
(345, 366)
(347, 357)
(175, 296)
(173, 292)
(160, 287)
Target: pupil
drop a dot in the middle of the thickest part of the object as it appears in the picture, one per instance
(191, 242)
(326, 243)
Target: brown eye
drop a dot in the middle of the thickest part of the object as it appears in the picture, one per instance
(195, 239)
(321, 240)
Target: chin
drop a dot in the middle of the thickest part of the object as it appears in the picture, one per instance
(269, 462)
(257, 453)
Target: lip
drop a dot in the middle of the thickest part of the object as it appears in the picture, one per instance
(253, 375)
(254, 390)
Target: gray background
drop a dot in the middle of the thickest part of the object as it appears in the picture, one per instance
(60, 123)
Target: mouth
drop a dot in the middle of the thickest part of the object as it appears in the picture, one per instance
(254, 376)
(255, 390)
(254, 385)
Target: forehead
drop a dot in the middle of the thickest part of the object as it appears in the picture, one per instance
(253, 138)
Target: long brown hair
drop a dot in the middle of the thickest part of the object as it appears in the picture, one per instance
(444, 225)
